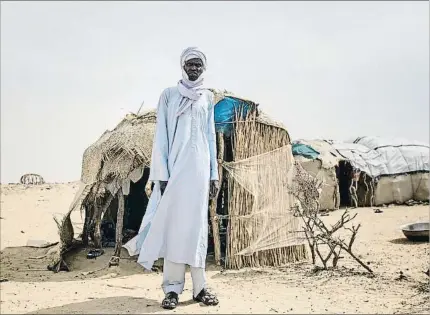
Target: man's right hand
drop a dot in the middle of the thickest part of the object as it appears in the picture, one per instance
(163, 185)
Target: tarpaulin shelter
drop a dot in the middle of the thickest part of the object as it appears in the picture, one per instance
(391, 170)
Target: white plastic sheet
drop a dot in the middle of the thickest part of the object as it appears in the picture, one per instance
(378, 156)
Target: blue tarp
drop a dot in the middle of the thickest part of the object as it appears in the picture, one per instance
(304, 150)
(225, 113)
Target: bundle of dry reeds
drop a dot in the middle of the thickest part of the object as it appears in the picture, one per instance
(251, 138)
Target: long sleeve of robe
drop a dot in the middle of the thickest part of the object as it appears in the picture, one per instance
(212, 143)
(175, 225)
(160, 149)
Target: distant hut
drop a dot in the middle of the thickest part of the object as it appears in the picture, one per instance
(403, 173)
(321, 160)
(252, 222)
(31, 179)
(369, 171)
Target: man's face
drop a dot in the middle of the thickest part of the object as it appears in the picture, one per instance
(193, 68)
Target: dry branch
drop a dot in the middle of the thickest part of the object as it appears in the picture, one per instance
(317, 233)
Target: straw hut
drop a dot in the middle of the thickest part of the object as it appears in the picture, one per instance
(251, 221)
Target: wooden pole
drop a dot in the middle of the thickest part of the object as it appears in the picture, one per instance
(114, 261)
(85, 230)
(213, 204)
(336, 196)
(99, 211)
(97, 222)
(141, 105)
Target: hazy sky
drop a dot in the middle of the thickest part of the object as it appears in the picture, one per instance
(71, 70)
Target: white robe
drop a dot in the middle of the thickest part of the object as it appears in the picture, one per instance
(175, 227)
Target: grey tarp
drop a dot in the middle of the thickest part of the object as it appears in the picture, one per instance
(389, 159)
(377, 156)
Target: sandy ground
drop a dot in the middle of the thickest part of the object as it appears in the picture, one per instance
(26, 214)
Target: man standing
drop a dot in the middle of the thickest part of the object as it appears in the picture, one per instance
(185, 173)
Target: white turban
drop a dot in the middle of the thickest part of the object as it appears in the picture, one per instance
(191, 53)
(191, 90)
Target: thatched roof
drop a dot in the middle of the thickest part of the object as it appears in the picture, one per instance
(118, 152)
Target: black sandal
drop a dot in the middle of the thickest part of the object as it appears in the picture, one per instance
(206, 298)
(170, 301)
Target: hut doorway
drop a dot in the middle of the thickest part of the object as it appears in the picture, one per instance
(343, 173)
(135, 204)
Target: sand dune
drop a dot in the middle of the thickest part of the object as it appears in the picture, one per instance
(26, 213)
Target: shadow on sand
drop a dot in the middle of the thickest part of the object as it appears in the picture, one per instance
(112, 305)
(405, 241)
(28, 264)
(109, 305)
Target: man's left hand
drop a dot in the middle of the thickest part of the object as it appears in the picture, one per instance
(213, 189)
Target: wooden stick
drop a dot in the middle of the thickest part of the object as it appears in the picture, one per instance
(99, 211)
(85, 231)
(213, 205)
(118, 233)
(97, 224)
(336, 196)
(141, 105)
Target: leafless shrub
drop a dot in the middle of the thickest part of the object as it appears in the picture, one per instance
(307, 189)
